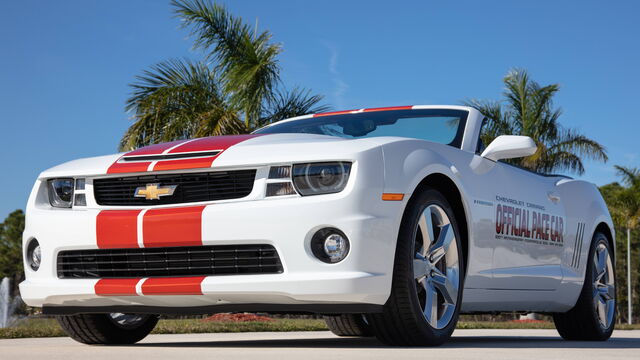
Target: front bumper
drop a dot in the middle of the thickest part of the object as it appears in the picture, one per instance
(362, 278)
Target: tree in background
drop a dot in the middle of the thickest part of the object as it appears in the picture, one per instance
(527, 109)
(240, 92)
(11, 248)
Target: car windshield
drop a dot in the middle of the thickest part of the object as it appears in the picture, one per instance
(443, 126)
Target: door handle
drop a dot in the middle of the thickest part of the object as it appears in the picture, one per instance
(555, 198)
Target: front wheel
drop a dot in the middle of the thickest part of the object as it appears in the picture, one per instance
(426, 290)
(108, 329)
(594, 315)
(348, 324)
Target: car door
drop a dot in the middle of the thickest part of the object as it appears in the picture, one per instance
(529, 223)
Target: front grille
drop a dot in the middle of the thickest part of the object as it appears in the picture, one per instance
(169, 261)
(191, 187)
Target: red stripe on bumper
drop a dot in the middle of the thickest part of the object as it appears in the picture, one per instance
(117, 229)
(173, 286)
(116, 287)
(173, 227)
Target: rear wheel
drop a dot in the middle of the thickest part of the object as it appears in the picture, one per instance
(428, 273)
(348, 325)
(114, 328)
(593, 317)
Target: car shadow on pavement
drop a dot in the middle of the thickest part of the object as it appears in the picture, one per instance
(504, 342)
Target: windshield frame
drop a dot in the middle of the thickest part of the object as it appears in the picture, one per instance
(403, 113)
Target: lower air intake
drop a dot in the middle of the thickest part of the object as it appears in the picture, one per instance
(169, 261)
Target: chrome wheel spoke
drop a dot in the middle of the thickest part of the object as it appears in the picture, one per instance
(602, 313)
(448, 290)
(606, 292)
(610, 309)
(445, 238)
(601, 264)
(611, 292)
(425, 224)
(436, 255)
(431, 306)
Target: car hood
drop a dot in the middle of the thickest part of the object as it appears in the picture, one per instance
(220, 152)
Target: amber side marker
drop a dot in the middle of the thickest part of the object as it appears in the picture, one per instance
(392, 197)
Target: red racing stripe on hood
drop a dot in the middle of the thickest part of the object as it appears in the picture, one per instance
(194, 163)
(116, 287)
(190, 285)
(219, 143)
(212, 143)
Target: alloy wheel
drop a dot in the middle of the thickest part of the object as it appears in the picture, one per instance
(604, 290)
(436, 267)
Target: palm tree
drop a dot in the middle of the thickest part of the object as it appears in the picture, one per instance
(235, 89)
(624, 205)
(528, 110)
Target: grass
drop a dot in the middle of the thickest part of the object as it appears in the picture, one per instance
(43, 327)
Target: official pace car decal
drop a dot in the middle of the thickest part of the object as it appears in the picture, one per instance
(519, 220)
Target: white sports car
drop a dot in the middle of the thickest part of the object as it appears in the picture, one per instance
(388, 221)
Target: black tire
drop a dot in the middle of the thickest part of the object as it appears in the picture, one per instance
(582, 321)
(348, 325)
(402, 321)
(96, 329)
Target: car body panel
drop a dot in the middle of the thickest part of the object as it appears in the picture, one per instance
(506, 270)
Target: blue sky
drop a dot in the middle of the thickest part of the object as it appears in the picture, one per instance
(65, 65)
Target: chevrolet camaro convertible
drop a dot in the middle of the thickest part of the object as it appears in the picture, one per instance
(389, 222)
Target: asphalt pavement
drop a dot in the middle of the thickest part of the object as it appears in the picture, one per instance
(465, 344)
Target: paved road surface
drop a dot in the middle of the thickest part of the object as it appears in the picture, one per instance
(465, 344)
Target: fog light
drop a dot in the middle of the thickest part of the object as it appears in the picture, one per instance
(330, 245)
(34, 255)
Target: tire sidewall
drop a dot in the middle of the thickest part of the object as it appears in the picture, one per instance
(118, 334)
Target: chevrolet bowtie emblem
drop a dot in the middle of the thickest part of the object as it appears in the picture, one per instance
(155, 191)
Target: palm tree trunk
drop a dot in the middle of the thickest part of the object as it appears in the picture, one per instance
(629, 275)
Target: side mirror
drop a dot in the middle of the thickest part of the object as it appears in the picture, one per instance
(509, 147)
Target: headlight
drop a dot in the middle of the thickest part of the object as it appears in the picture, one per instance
(60, 192)
(321, 178)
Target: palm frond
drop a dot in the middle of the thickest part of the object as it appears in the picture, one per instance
(169, 100)
(528, 110)
(288, 104)
(630, 176)
(247, 62)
